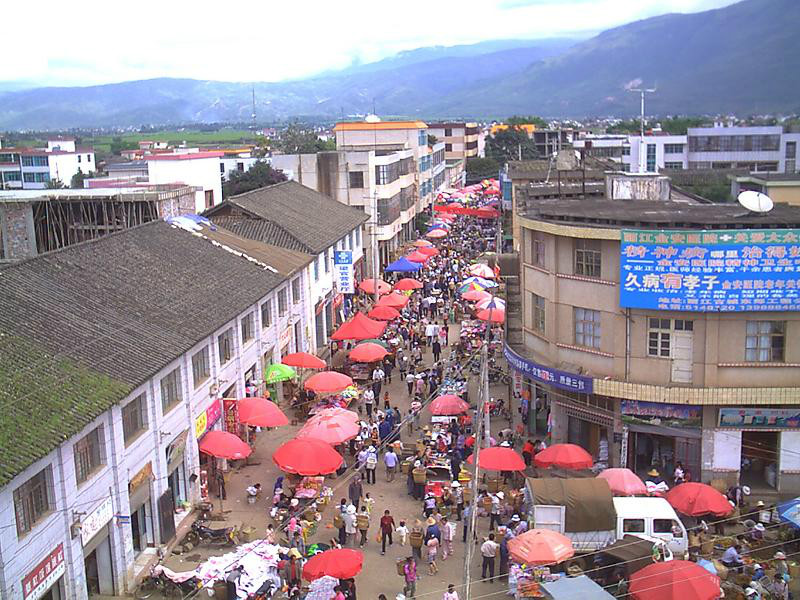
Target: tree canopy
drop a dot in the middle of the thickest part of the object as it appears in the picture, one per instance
(296, 139)
(260, 175)
(511, 144)
(481, 168)
(523, 119)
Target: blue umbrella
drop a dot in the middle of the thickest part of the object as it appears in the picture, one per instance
(789, 512)
(403, 265)
(484, 283)
(707, 565)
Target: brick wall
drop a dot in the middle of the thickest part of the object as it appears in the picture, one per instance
(17, 236)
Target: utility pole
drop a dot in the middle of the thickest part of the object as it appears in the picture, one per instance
(253, 89)
(642, 153)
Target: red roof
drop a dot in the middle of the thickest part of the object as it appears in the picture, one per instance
(186, 156)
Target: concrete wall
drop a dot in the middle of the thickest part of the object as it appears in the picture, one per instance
(17, 234)
(202, 173)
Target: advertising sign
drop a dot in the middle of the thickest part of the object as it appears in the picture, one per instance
(656, 413)
(206, 419)
(558, 379)
(741, 270)
(230, 407)
(343, 271)
(96, 520)
(44, 575)
(760, 418)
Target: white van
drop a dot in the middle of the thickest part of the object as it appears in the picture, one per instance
(651, 518)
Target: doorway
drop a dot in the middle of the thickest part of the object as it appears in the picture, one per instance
(759, 459)
(139, 529)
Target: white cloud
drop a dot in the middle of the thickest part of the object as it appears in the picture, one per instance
(98, 42)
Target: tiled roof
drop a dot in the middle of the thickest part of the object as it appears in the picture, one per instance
(312, 220)
(260, 230)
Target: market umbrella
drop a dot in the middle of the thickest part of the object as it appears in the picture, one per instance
(436, 234)
(331, 429)
(417, 257)
(367, 352)
(341, 563)
(470, 287)
(481, 281)
(624, 482)
(674, 580)
(491, 302)
(338, 412)
(278, 372)
(403, 265)
(789, 512)
(481, 270)
(448, 404)
(408, 283)
(495, 315)
(307, 457)
(477, 295)
(428, 251)
(360, 327)
(222, 444)
(260, 412)
(422, 243)
(540, 546)
(395, 300)
(376, 341)
(487, 213)
(328, 382)
(696, 499)
(303, 360)
(383, 313)
(368, 286)
(566, 456)
(498, 458)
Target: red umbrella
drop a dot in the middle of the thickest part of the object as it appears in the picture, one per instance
(448, 404)
(566, 456)
(331, 429)
(383, 313)
(417, 257)
(303, 360)
(624, 482)
(427, 251)
(407, 283)
(360, 327)
(307, 457)
(341, 563)
(368, 352)
(368, 286)
(476, 295)
(395, 300)
(540, 546)
(335, 411)
(328, 382)
(260, 412)
(422, 243)
(224, 445)
(673, 580)
(696, 499)
(498, 458)
(495, 315)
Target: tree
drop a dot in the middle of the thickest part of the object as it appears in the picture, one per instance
(260, 175)
(55, 184)
(481, 168)
(511, 144)
(296, 139)
(432, 140)
(630, 127)
(76, 183)
(118, 145)
(522, 120)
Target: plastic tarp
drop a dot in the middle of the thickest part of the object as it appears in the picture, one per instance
(634, 552)
(570, 588)
(588, 503)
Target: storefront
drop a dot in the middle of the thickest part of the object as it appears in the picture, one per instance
(659, 436)
(46, 580)
(97, 556)
(176, 469)
(204, 422)
(142, 524)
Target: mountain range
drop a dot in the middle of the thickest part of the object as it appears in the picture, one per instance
(743, 58)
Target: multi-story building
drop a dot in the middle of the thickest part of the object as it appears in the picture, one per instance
(198, 169)
(295, 217)
(654, 332)
(38, 168)
(461, 140)
(237, 160)
(99, 443)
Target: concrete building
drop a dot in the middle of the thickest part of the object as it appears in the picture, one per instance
(297, 218)
(461, 140)
(198, 169)
(237, 160)
(36, 168)
(780, 187)
(707, 375)
(99, 447)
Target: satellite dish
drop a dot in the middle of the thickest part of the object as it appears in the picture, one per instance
(755, 201)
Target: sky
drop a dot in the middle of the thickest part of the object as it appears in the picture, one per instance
(92, 42)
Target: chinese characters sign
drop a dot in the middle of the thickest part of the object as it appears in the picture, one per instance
(343, 271)
(724, 270)
(760, 418)
(46, 573)
(558, 379)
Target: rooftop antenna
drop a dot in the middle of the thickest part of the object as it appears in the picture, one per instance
(642, 154)
(755, 201)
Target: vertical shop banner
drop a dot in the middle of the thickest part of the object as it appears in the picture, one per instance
(230, 408)
(37, 582)
(343, 271)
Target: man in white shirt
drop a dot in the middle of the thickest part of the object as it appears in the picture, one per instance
(377, 381)
(489, 550)
(369, 401)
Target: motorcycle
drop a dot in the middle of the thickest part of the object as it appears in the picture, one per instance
(168, 583)
(200, 533)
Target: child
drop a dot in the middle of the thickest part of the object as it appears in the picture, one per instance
(433, 548)
(402, 533)
(369, 503)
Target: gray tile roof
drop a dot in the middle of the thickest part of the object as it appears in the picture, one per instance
(314, 221)
(259, 230)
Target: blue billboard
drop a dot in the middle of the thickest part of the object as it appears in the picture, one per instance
(725, 270)
(559, 379)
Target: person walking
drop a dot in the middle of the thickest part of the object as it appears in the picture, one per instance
(369, 402)
(355, 490)
(377, 380)
(411, 379)
(410, 576)
(436, 348)
(448, 533)
(362, 521)
(350, 529)
(387, 528)
(494, 514)
(371, 464)
(451, 593)
(390, 461)
(489, 550)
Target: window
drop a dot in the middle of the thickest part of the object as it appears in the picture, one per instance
(36, 177)
(587, 258)
(356, 179)
(296, 290)
(626, 151)
(79, 158)
(240, 167)
(765, 341)
(327, 257)
(134, 419)
(35, 161)
(651, 158)
(170, 390)
(89, 453)
(537, 310)
(358, 236)
(448, 132)
(33, 500)
(448, 147)
(225, 346)
(315, 265)
(266, 314)
(201, 367)
(667, 526)
(423, 137)
(673, 148)
(386, 173)
(209, 198)
(537, 249)
(17, 176)
(283, 301)
(791, 149)
(248, 327)
(587, 327)
(222, 168)
(632, 525)
(673, 165)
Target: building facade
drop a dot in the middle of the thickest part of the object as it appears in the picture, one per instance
(38, 168)
(198, 169)
(461, 140)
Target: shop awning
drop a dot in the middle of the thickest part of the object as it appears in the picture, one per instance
(569, 588)
(688, 432)
(403, 265)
